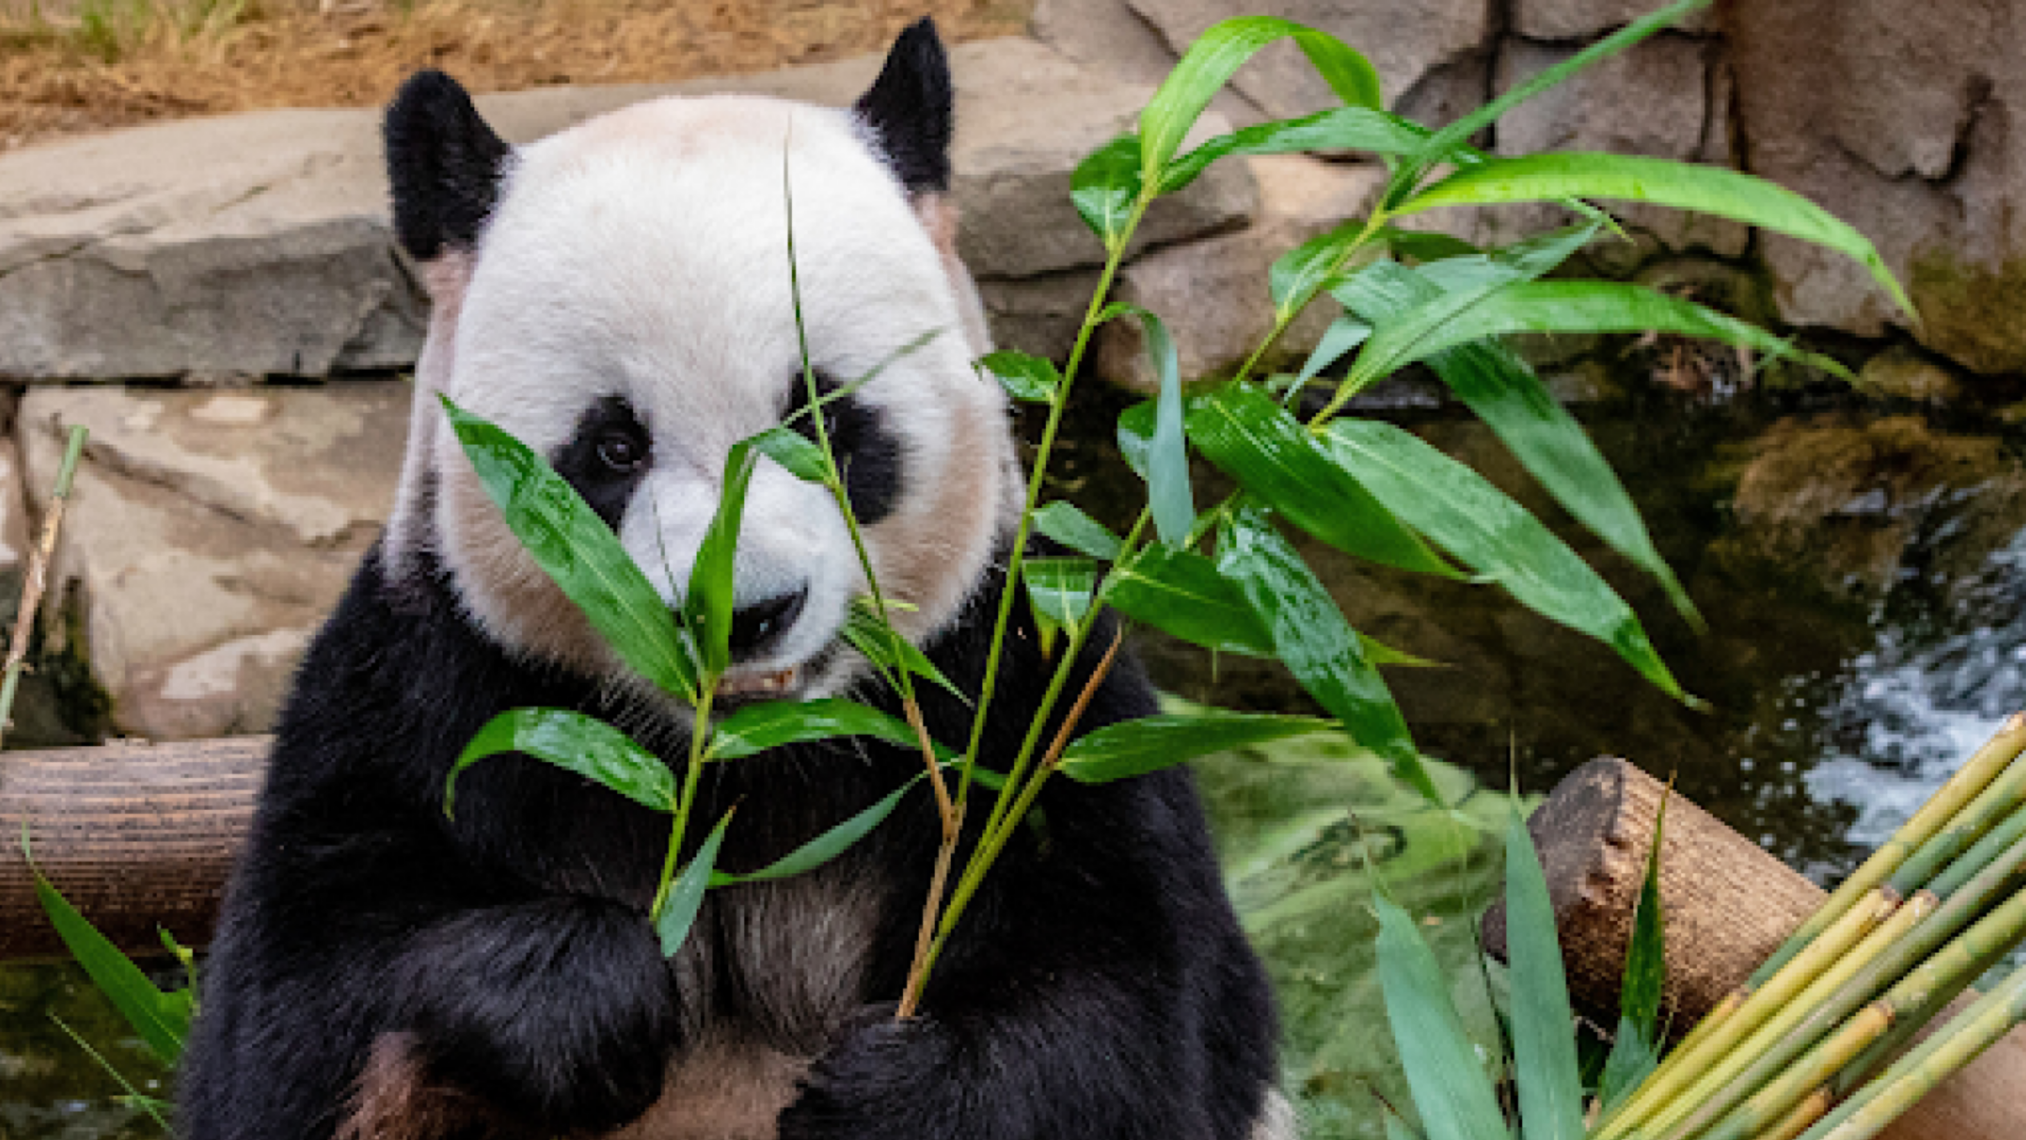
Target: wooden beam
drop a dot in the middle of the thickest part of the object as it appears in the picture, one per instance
(1729, 904)
(137, 836)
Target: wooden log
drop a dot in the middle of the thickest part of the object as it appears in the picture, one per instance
(1729, 905)
(136, 836)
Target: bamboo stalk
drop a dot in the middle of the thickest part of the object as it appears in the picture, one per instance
(1775, 1103)
(38, 576)
(1992, 807)
(1976, 774)
(1811, 1109)
(1956, 1045)
(1750, 1008)
(1804, 1020)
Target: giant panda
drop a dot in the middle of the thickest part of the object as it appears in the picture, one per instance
(617, 296)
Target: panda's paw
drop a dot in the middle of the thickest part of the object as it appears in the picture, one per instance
(878, 1081)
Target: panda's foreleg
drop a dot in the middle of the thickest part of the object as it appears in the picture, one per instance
(559, 1012)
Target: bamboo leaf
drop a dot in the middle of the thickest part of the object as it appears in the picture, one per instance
(827, 846)
(1105, 188)
(1060, 589)
(1344, 334)
(1543, 1024)
(795, 452)
(1503, 392)
(1600, 307)
(1443, 143)
(1339, 128)
(575, 548)
(685, 896)
(1181, 593)
(1635, 1051)
(1064, 522)
(1451, 1090)
(1149, 744)
(1166, 462)
(1025, 377)
(870, 635)
(161, 1020)
(1218, 53)
(1271, 455)
(570, 740)
(1309, 268)
(1483, 528)
(708, 604)
(1684, 186)
(775, 724)
(1314, 641)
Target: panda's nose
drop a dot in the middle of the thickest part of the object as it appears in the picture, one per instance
(757, 627)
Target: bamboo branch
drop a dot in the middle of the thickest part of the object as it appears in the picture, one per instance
(38, 577)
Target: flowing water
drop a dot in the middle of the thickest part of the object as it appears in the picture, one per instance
(1862, 572)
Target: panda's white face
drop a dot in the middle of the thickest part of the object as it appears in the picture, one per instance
(627, 313)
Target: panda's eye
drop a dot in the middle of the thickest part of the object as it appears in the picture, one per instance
(620, 451)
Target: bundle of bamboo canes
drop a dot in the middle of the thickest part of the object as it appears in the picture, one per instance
(1807, 1047)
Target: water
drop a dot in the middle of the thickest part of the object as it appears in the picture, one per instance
(1863, 578)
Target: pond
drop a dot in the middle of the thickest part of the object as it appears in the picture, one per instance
(1863, 577)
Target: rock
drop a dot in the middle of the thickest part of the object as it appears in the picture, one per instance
(256, 243)
(1902, 120)
(1900, 373)
(1844, 500)
(1041, 314)
(1581, 20)
(208, 536)
(1106, 34)
(1409, 44)
(259, 244)
(1213, 294)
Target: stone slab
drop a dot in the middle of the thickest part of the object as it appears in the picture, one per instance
(209, 534)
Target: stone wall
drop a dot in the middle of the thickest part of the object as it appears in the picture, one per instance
(186, 289)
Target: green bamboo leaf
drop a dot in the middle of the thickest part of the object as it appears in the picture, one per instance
(1684, 186)
(1344, 334)
(1396, 1128)
(1461, 284)
(708, 604)
(575, 548)
(1314, 641)
(1602, 307)
(570, 740)
(1480, 526)
(1025, 377)
(160, 1110)
(774, 724)
(1064, 522)
(1149, 744)
(1060, 589)
(1443, 143)
(1166, 457)
(1451, 1091)
(1339, 128)
(161, 1020)
(1635, 1052)
(1270, 454)
(1543, 1025)
(1309, 268)
(826, 846)
(1180, 593)
(1503, 392)
(685, 895)
(794, 451)
(1105, 188)
(1218, 53)
(870, 635)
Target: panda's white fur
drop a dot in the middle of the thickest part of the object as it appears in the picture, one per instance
(641, 255)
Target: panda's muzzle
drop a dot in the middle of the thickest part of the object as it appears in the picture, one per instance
(760, 626)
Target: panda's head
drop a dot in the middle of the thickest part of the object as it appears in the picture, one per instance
(617, 296)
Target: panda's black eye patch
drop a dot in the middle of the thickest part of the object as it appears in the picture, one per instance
(606, 457)
(868, 454)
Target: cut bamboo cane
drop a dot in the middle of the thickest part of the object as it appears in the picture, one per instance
(1952, 1048)
(1811, 1109)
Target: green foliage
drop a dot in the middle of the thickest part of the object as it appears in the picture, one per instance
(685, 897)
(1635, 1051)
(1136, 747)
(1543, 1041)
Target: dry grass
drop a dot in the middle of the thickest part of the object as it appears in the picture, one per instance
(76, 65)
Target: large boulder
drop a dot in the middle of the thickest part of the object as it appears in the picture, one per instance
(260, 245)
(1902, 119)
(208, 535)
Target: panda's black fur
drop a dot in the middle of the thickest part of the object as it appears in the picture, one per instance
(382, 970)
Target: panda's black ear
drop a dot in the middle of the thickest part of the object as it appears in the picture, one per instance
(444, 164)
(909, 110)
